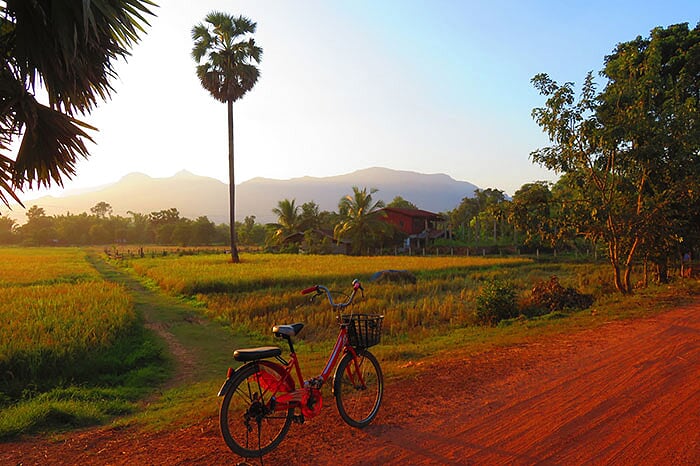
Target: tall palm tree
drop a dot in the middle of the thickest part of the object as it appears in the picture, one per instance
(362, 222)
(69, 50)
(289, 220)
(225, 51)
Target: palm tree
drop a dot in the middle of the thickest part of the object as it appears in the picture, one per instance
(362, 222)
(70, 51)
(289, 220)
(224, 51)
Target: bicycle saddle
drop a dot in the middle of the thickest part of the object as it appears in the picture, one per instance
(253, 354)
(289, 330)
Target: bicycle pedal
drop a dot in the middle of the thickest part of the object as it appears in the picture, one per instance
(299, 419)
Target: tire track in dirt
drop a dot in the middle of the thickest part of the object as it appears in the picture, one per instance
(610, 401)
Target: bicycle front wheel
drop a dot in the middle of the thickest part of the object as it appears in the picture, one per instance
(358, 388)
(249, 423)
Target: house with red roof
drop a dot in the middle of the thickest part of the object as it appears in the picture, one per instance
(420, 226)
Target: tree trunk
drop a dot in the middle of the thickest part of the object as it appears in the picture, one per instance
(618, 279)
(661, 270)
(612, 254)
(628, 279)
(232, 186)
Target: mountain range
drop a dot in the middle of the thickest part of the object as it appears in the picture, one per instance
(194, 196)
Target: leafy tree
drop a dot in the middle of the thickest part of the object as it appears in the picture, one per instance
(634, 146)
(101, 209)
(481, 214)
(39, 229)
(361, 222)
(650, 108)
(139, 230)
(289, 220)
(570, 210)
(74, 229)
(493, 210)
(225, 51)
(203, 231)
(7, 230)
(163, 224)
(69, 49)
(182, 232)
(163, 217)
(310, 216)
(579, 147)
(251, 233)
(99, 234)
(118, 227)
(400, 203)
(461, 217)
(530, 212)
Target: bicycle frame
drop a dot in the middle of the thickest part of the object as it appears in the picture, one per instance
(285, 400)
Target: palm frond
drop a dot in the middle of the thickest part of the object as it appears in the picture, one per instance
(50, 147)
(225, 66)
(70, 46)
(6, 186)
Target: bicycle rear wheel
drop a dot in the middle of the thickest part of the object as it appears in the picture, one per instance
(358, 388)
(249, 423)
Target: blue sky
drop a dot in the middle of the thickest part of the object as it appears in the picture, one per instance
(434, 86)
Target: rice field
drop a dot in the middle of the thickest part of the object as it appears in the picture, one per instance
(264, 289)
(64, 319)
(55, 310)
(191, 275)
(25, 266)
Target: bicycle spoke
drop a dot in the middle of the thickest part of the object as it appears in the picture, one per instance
(249, 423)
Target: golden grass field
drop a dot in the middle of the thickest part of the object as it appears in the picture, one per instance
(55, 305)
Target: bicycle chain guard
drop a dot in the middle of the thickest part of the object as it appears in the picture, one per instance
(311, 402)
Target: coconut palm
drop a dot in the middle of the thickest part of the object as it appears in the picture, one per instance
(225, 51)
(361, 223)
(289, 220)
(69, 50)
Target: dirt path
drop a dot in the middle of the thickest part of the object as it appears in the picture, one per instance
(624, 393)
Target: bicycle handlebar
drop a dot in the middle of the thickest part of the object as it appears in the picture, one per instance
(320, 289)
(310, 290)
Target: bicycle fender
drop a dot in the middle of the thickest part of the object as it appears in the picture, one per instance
(224, 388)
(287, 381)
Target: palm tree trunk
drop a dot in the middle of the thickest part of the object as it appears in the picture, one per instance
(232, 186)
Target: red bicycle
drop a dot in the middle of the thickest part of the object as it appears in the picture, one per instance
(263, 397)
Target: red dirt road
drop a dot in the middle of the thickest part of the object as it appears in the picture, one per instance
(624, 393)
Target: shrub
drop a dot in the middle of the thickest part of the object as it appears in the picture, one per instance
(496, 301)
(550, 296)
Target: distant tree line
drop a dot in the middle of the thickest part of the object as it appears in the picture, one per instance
(164, 227)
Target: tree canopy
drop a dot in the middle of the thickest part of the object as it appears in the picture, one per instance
(634, 146)
(360, 219)
(70, 51)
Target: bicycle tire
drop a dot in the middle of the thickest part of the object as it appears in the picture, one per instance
(247, 429)
(358, 405)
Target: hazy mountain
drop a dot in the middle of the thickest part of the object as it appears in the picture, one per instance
(196, 196)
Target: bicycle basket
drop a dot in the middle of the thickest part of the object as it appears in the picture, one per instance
(364, 330)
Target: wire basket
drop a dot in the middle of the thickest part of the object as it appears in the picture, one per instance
(364, 330)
